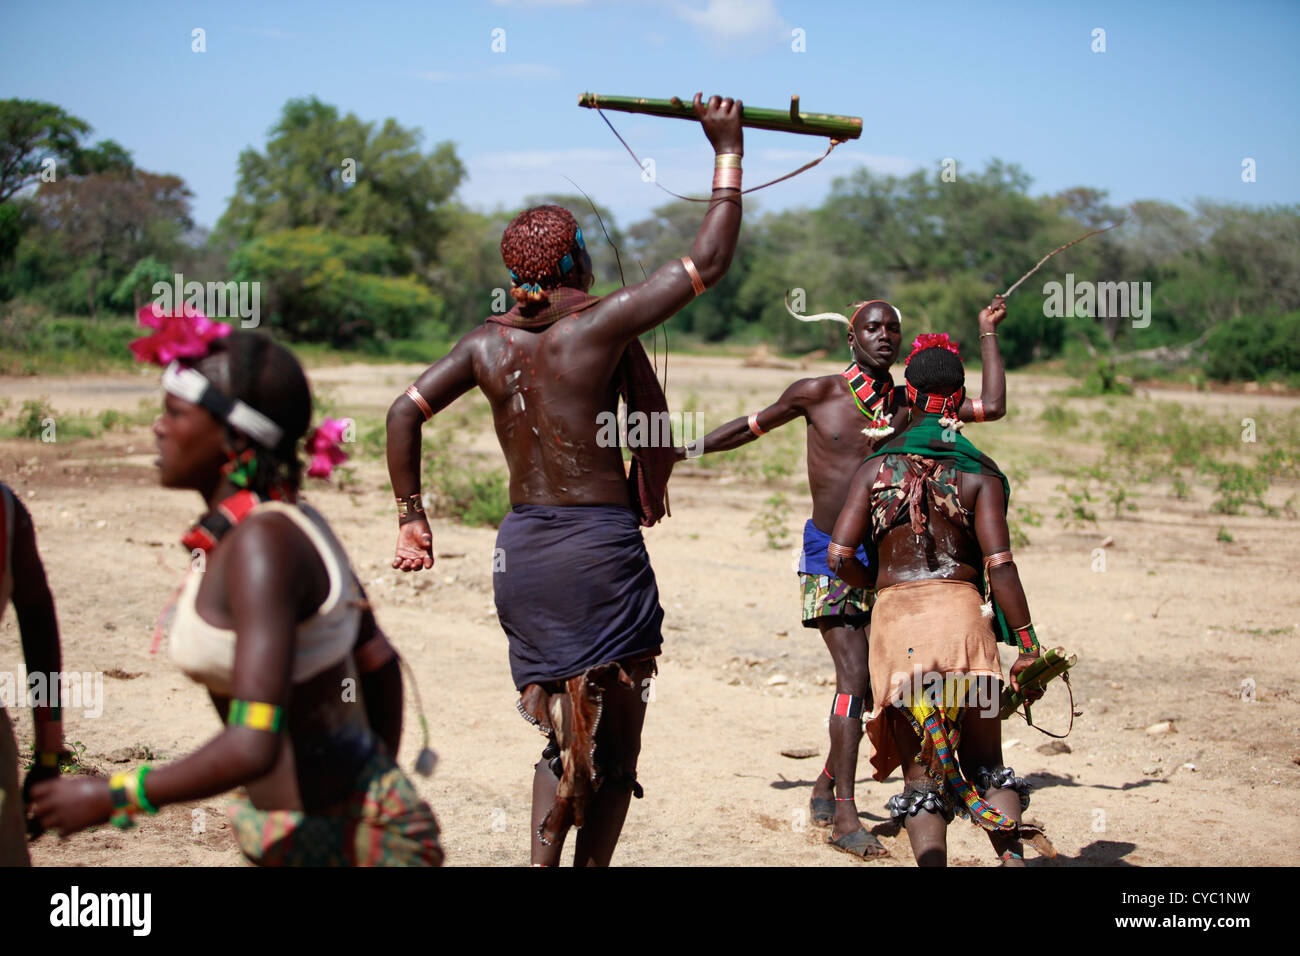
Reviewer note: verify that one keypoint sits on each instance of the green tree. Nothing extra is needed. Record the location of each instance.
(30, 132)
(346, 290)
(339, 173)
(667, 235)
(91, 230)
(469, 270)
(143, 275)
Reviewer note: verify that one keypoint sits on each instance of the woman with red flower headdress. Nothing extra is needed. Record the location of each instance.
(931, 510)
(272, 620)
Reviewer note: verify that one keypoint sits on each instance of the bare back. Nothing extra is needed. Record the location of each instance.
(548, 391)
(950, 549)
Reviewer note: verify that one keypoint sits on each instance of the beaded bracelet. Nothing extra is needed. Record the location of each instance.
(1027, 639)
(122, 810)
(254, 715)
(141, 800)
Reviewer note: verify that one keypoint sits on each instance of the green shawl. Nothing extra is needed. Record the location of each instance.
(928, 439)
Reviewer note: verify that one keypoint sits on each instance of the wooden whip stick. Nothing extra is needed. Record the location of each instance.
(1055, 251)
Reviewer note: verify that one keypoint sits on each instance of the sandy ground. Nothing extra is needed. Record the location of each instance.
(1167, 632)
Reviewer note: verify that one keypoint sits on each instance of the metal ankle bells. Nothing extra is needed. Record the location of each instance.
(1002, 778)
(911, 802)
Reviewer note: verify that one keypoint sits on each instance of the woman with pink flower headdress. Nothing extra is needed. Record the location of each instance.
(272, 621)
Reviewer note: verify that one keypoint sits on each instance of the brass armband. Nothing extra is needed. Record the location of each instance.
(414, 395)
(696, 282)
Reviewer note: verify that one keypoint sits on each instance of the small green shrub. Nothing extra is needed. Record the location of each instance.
(771, 522)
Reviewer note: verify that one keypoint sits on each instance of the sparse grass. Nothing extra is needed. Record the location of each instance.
(72, 760)
(772, 522)
(1059, 417)
(1236, 459)
(38, 420)
(471, 495)
(1077, 509)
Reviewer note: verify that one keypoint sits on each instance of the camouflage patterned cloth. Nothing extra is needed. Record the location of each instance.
(903, 486)
(826, 597)
(384, 823)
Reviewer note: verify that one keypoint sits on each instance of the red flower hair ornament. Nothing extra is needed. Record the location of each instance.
(932, 340)
(322, 443)
(186, 334)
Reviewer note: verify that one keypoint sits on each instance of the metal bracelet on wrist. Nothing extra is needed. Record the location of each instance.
(410, 508)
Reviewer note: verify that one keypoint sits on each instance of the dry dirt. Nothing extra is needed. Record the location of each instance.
(1167, 632)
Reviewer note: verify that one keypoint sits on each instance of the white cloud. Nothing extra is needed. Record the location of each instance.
(731, 20)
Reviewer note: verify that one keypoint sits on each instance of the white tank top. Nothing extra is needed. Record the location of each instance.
(207, 653)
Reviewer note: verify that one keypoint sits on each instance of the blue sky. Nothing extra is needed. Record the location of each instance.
(1182, 94)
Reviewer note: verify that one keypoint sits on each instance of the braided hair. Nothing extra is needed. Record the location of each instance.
(935, 370)
(533, 246)
(265, 375)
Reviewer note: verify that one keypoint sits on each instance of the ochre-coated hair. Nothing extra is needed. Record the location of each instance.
(532, 247)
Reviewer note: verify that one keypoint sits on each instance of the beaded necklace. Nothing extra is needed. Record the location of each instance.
(872, 397)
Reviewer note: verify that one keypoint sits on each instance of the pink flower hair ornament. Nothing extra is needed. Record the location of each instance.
(322, 444)
(187, 334)
(932, 340)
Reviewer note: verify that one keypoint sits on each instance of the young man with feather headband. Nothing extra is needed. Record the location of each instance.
(848, 416)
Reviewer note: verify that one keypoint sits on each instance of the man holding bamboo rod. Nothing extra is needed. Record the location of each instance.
(574, 589)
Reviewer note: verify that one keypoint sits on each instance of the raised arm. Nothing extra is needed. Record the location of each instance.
(792, 404)
(993, 377)
(440, 385)
(639, 308)
(995, 542)
(851, 529)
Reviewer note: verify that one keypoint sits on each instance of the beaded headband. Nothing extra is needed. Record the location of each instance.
(189, 384)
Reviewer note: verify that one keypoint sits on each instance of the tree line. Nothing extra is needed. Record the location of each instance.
(355, 233)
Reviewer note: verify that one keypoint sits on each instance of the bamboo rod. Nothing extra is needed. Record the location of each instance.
(784, 121)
